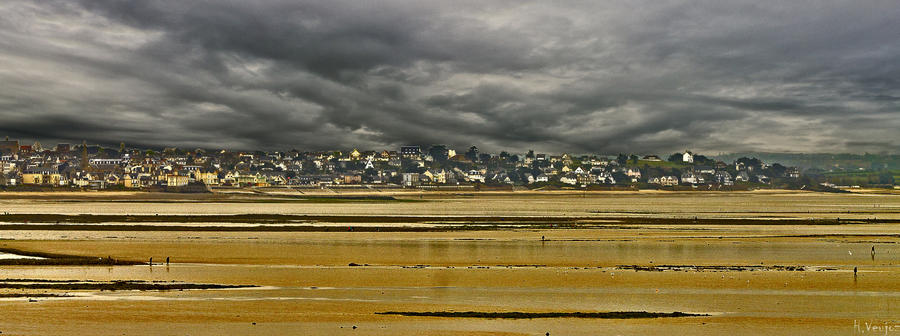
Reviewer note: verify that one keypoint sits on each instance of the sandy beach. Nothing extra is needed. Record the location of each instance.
(761, 278)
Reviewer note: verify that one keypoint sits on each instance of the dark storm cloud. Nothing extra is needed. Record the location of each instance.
(600, 77)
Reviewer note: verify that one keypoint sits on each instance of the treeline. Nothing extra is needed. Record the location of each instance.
(826, 161)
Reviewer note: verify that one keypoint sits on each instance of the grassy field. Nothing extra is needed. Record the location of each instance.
(863, 178)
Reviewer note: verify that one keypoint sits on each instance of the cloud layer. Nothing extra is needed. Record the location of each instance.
(599, 77)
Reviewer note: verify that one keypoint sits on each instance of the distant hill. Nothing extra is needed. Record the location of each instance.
(826, 161)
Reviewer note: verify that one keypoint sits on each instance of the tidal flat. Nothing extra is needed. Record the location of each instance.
(746, 263)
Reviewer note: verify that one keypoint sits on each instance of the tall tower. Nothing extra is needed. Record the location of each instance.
(84, 155)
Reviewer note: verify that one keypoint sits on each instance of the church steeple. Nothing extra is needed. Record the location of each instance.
(84, 155)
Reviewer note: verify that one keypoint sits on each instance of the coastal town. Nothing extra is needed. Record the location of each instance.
(94, 167)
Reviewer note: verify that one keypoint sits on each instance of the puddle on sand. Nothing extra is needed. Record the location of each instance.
(16, 256)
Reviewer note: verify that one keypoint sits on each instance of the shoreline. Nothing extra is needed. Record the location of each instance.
(266, 222)
(336, 192)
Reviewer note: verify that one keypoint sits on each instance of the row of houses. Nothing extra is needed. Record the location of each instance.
(84, 166)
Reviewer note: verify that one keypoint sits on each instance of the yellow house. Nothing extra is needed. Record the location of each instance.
(132, 181)
(41, 177)
(352, 179)
(245, 180)
(113, 179)
(210, 178)
(32, 178)
(261, 181)
(439, 177)
(177, 180)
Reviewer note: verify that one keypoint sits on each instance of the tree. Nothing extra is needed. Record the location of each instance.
(621, 178)
(472, 154)
(703, 160)
(752, 163)
(886, 177)
(309, 167)
(776, 170)
(677, 157)
(439, 153)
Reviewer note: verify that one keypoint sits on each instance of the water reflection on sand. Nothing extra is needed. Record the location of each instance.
(310, 287)
(16, 256)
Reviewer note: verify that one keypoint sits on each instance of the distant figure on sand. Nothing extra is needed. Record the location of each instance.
(151, 261)
(167, 260)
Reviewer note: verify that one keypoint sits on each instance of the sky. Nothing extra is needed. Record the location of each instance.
(558, 76)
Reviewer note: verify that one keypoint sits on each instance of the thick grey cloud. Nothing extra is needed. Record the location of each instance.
(601, 77)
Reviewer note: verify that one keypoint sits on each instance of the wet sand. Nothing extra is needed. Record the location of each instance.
(762, 204)
(309, 288)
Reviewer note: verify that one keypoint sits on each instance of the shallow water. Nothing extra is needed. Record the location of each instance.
(737, 204)
(325, 297)
(6, 256)
(310, 289)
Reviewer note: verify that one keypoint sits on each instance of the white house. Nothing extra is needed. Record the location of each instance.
(606, 178)
(475, 175)
(687, 157)
(689, 178)
(723, 177)
(410, 179)
(8, 179)
(633, 172)
(568, 180)
(104, 162)
(668, 180)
